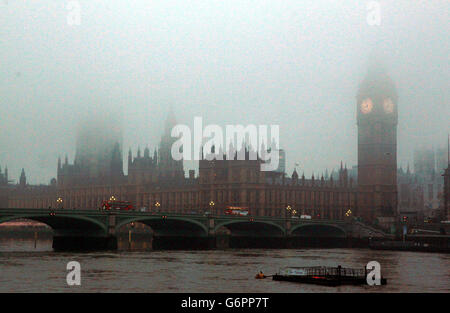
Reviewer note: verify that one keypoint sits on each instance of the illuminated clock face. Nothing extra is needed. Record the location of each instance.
(388, 105)
(366, 106)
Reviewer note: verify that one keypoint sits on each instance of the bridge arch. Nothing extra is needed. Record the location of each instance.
(318, 230)
(61, 221)
(169, 225)
(252, 227)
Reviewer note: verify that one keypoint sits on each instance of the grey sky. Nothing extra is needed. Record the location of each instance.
(293, 63)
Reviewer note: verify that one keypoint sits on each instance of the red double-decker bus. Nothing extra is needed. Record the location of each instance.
(116, 205)
(233, 210)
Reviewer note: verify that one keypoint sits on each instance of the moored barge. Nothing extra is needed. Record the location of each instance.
(321, 275)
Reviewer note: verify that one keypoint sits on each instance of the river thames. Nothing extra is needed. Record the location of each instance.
(25, 267)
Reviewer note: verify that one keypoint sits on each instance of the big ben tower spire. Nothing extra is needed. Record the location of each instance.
(447, 182)
(377, 118)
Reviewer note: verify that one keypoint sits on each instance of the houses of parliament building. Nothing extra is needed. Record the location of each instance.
(158, 182)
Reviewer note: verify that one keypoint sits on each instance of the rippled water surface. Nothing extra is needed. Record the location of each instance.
(26, 268)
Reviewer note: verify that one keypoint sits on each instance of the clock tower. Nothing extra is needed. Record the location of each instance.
(447, 183)
(377, 117)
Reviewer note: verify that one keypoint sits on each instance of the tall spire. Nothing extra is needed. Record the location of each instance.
(58, 171)
(130, 157)
(448, 150)
(116, 160)
(295, 174)
(23, 178)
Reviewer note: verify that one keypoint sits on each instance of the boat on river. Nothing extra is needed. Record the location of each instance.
(322, 275)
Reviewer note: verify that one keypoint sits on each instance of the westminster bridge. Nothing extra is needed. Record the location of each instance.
(98, 229)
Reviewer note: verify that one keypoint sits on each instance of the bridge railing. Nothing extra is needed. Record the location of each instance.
(161, 213)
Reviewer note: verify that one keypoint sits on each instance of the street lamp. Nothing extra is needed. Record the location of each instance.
(59, 201)
(129, 235)
(112, 198)
(157, 205)
(211, 205)
(348, 213)
(288, 209)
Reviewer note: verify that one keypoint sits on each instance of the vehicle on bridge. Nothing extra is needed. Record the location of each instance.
(232, 210)
(418, 231)
(117, 205)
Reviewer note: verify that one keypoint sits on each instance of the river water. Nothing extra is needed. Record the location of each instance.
(25, 267)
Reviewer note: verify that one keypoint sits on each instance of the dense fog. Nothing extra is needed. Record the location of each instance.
(296, 64)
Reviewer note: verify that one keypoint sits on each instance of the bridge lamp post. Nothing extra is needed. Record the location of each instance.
(129, 235)
(288, 209)
(157, 205)
(112, 198)
(59, 201)
(348, 213)
(294, 212)
(211, 205)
